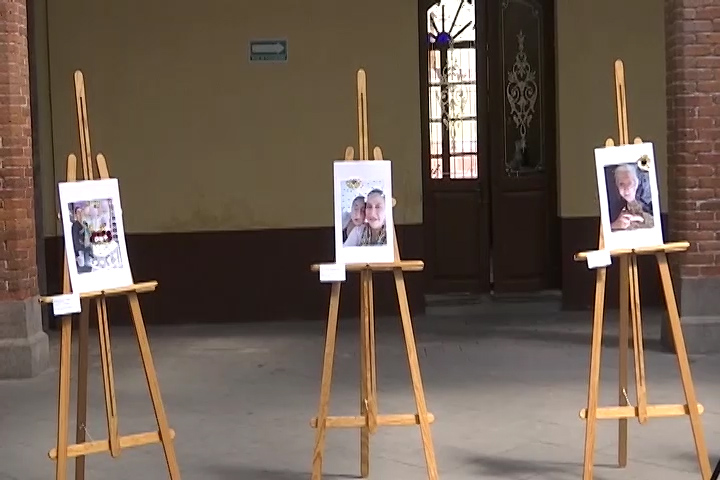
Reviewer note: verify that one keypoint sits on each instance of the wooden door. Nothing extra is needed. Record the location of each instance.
(521, 72)
(488, 109)
(455, 185)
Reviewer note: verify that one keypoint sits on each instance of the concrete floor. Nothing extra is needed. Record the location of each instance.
(505, 383)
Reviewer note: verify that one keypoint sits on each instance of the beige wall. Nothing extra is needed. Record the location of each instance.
(591, 34)
(238, 146)
(176, 107)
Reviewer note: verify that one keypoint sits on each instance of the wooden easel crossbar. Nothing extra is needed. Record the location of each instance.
(115, 443)
(369, 420)
(630, 316)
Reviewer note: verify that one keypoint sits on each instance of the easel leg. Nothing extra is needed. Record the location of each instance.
(684, 364)
(365, 372)
(326, 381)
(636, 321)
(81, 423)
(64, 398)
(623, 361)
(373, 402)
(594, 382)
(108, 377)
(415, 375)
(151, 376)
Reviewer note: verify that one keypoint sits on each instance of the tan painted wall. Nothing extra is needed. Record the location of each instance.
(202, 140)
(591, 34)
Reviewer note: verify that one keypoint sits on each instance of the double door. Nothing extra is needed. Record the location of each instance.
(489, 186)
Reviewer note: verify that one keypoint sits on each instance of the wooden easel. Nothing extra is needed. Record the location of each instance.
(115, 443)
(716, 472)
(369, 419)
(630, 315)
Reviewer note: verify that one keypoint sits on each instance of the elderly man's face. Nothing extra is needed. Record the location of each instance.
(626, 185)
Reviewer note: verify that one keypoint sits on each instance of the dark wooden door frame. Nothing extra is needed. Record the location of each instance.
(551, 112)
(495, 122)
(37, 161)
(483, 149)
(488, 145)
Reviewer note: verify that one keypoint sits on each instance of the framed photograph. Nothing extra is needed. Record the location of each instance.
(94, 235)
(364, 230)
(629, 198)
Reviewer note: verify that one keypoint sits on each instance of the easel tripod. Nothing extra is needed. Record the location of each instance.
(369, 419)
(630, 315)
(115, 443)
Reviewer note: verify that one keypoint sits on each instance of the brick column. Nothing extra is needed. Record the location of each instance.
(692, 41)
(23, 344)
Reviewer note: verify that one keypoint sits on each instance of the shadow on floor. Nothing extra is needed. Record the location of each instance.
(512, 468)
(689, 458)
(233, 472)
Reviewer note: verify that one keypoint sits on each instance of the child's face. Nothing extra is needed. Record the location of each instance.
(357, 215)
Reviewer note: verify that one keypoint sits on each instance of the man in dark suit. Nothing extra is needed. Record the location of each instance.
(78, 240)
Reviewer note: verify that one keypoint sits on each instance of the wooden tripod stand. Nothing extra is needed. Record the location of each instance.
(115, 443)
(369, 419)
(630, 315)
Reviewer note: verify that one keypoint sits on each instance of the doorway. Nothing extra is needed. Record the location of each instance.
(489, 171)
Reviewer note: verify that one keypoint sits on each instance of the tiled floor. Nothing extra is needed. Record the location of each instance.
(505, 384)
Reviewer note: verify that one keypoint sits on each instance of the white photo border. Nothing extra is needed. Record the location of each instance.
(86, 190)
(344, 170)
(630, 239)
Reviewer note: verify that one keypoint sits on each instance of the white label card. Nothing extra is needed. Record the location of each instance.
(332, 272)
(66, 304)
(598, 259)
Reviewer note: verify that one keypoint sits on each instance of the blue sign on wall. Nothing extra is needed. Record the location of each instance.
(268, 51)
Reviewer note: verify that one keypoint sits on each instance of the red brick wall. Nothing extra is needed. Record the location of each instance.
(18, 267)
(692, 33)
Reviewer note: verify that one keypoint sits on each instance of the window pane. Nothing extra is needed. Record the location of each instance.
(436, 167)
(463, 137)
(465, 166)
(436, 138)
(451, 20)
(523, 64)
(452, 92)
(463, 101)
(462, 65)
(435, 104)
(434, 67)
